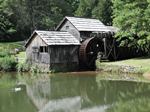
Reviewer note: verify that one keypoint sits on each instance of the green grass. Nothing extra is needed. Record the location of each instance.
(11, 46)
(8, 55)
(21, 56)
(142, 63)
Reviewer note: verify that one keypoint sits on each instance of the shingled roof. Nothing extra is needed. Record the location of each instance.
(55, 38)
(84, 24)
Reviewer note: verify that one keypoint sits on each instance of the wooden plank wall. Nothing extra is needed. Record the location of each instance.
(71, 29)
(64, 54)
(37, 56)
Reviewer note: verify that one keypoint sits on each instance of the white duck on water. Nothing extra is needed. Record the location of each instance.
(16, 89)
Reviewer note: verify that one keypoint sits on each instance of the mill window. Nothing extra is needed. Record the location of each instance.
(67, 27)
(43, 49)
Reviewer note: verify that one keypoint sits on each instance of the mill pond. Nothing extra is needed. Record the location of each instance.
(73, 92)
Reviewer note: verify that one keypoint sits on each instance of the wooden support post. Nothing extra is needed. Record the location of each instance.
(105, 45)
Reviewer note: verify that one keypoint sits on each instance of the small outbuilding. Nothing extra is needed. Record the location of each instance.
(55, 50)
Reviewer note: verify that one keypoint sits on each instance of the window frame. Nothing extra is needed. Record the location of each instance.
(43, 49)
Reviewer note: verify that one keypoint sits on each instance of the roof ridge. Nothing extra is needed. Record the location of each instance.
(48, 31)
(55, 38)
(84, 24)
(81, 17)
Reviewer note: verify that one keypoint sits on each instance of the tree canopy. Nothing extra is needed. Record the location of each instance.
(99, 9)
(132, 17)
(19, 18)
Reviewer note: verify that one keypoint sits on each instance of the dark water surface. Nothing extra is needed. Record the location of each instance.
(73, 92)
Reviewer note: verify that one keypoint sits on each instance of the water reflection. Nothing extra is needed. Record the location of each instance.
(11, 101)
(79, 93)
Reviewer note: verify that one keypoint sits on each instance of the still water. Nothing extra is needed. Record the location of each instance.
(73, 92)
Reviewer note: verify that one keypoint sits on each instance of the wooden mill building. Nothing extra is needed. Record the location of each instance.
(81, 28)
(71, 45)
(53, 50)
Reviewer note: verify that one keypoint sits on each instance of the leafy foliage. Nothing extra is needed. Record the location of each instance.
(8, 63)
(18, 18)
(6, 27)
(85, 8)
(103, 11)
(100, 9)
(23, 67)
(4, 53)
(132, 18)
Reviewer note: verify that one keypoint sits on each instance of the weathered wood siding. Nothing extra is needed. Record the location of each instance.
(64, 57)
(37, 57)
(82, 35)
(64, 54)
(67, 26)
(58, 57)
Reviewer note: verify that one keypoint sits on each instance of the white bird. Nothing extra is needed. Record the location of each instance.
(17, 89)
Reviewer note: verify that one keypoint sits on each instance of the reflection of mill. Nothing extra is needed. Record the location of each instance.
(48, 94)
(68, 94)
(78, 94)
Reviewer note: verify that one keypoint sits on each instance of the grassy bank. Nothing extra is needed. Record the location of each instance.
(136, 65)
(8, 55)
(10, 60)
(11, 46)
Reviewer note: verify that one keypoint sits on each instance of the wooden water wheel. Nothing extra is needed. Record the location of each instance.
(88, 52)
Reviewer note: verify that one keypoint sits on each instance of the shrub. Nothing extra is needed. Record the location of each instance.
(35, 69)
(8, 63)
(26, 67)
(4, 53)
(23, 67)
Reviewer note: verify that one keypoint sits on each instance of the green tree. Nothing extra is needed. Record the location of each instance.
(100, 9)
(19, 18)
(85, 8)
(46, 14)
(6, 26)
(103, 11)
(131, 17)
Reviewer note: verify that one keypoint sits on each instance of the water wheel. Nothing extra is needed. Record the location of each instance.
(88, 52)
